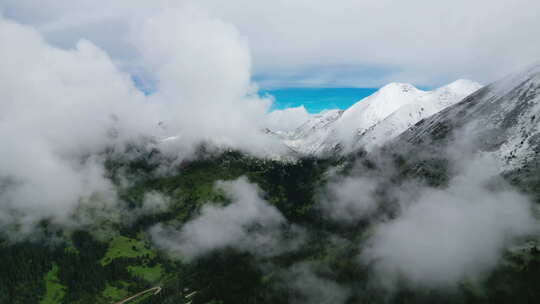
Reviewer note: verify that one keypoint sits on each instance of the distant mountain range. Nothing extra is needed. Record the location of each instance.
(373, 120)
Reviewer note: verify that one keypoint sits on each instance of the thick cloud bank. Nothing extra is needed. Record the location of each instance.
(345, 43)
(58, 109)
(349, 199)
(311, 288)
(447, 235)
(287, 119)
(248, 223)
(202, 68)
(61, 109)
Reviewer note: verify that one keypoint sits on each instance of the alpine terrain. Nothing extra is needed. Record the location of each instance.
(374, 120)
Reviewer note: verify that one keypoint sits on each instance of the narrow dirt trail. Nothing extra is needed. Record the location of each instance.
(157, 290)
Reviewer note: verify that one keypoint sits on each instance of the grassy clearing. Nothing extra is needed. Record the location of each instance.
(54, 290)
(150, 274)
(113, 293)
(122, 246)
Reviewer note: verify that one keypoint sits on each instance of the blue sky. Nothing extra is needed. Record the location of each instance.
(317, 99)
(314, 100)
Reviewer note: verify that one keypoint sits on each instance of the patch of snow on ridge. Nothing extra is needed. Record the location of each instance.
(312, 137)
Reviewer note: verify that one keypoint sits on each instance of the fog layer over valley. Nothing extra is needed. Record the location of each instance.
(61, 110)
(199, 188)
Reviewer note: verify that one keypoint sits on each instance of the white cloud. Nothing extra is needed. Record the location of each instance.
(287, 119)
(202, 68)
(313, 289)
(422, 42)
(58, 108)
(248, 223)
(448, 235)
(154, 202)
(61, 108)
(349, 199)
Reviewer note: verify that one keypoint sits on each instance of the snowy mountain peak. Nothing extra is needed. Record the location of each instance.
(373, 109)
(375, 119)
(461, 85)
(397, 87)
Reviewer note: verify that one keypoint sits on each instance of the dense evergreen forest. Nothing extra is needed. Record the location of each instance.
(108, 261)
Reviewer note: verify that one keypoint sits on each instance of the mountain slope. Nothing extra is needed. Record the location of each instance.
(125, 258)
(501, 119)
(425, 105)
(315, 135)
(374, 119)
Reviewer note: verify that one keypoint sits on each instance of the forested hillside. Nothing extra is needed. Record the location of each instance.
(109, 260)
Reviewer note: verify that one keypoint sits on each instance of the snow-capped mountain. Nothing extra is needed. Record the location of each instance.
(502, 119)
(424, 105)
(375, 119)
(313, 136)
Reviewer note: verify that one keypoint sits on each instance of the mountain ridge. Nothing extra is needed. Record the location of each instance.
(504, 117)
(350, 129)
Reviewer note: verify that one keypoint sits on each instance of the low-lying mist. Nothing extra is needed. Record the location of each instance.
(65, 113)
(62, 109)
